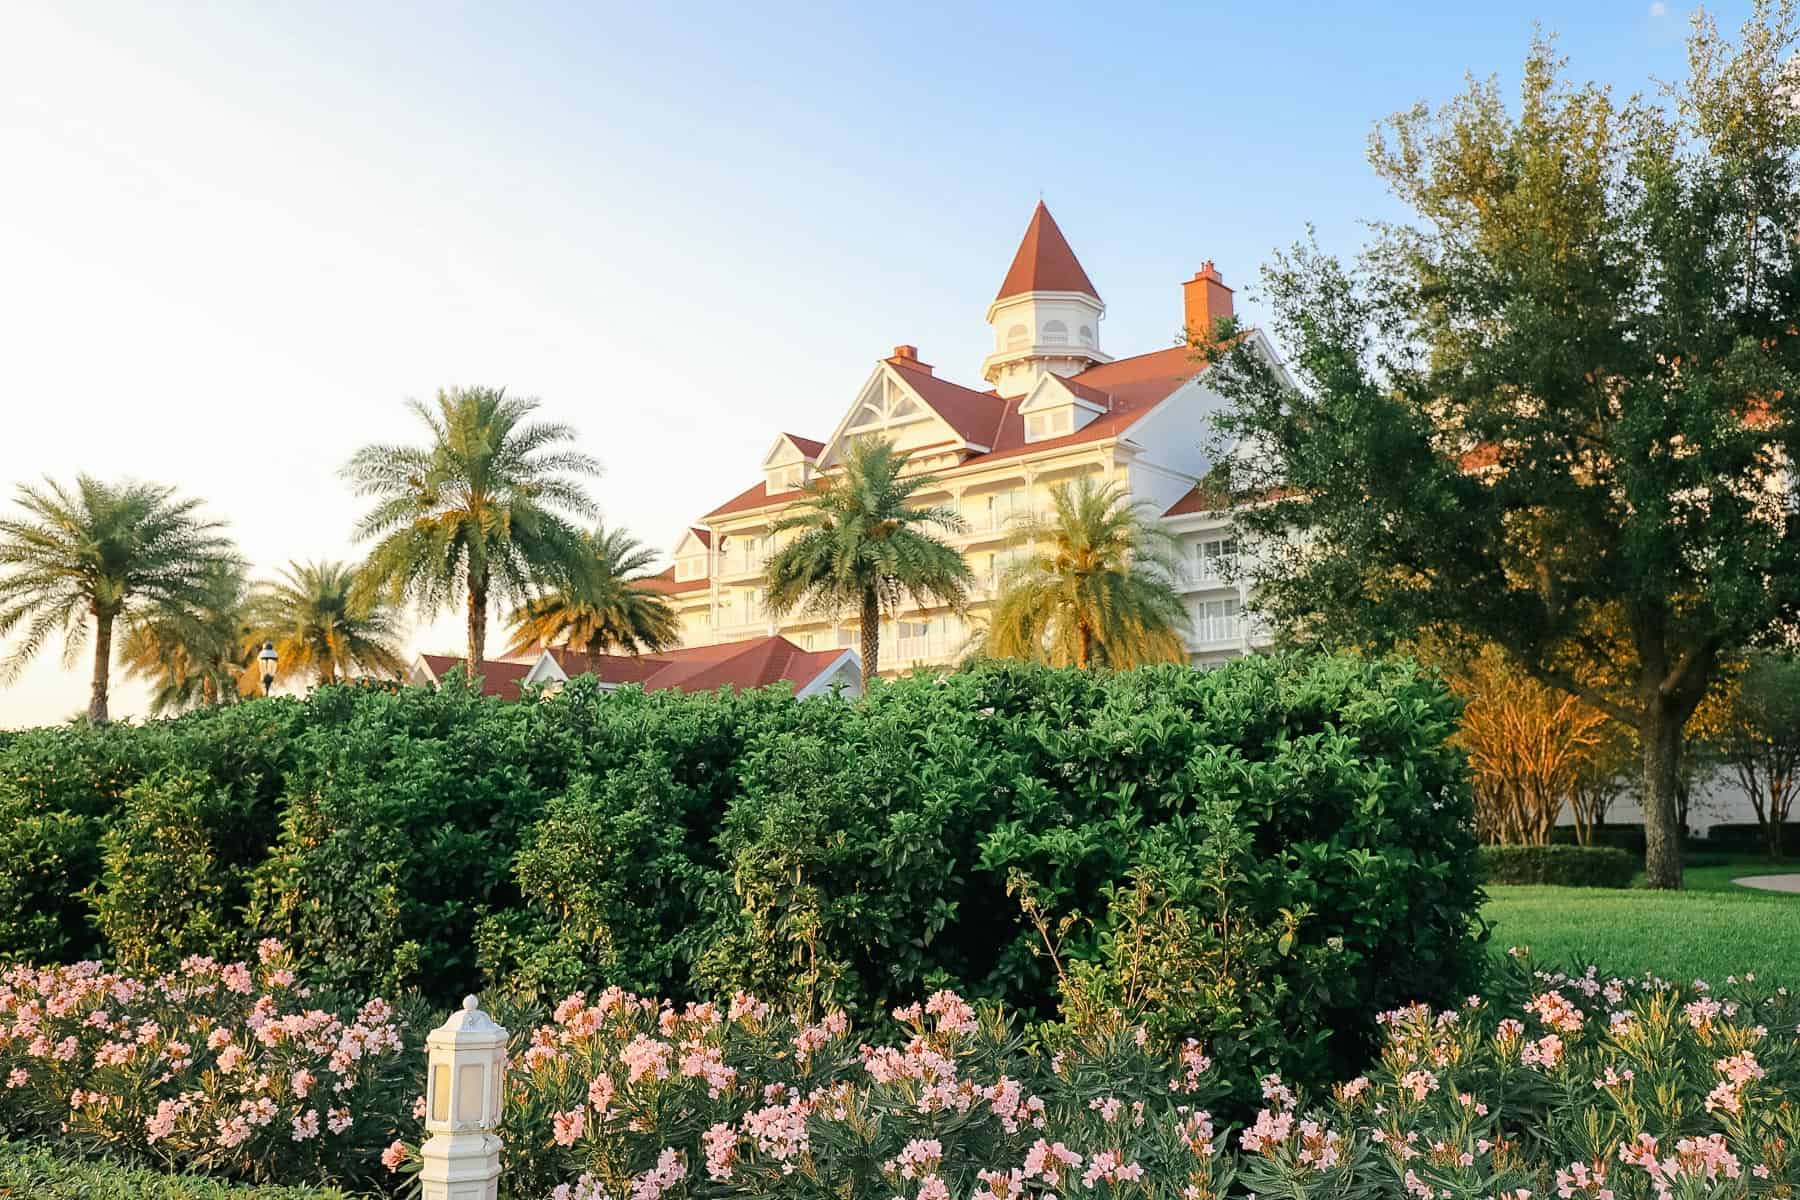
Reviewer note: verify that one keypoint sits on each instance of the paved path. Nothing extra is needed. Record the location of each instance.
(1770, 883)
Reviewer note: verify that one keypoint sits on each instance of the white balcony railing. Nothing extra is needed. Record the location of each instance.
(1214, 631)
(923, 648)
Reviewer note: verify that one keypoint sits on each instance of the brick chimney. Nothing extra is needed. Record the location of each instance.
(908, 356)
(1207, 299)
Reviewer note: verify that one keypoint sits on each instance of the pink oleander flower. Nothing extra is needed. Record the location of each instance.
(668, 1172)
(953, 1013)
(1555, 1010)
(645, 1057)
(306, 1125)
(1270, 1130)
(568, 1126)
(338, 1119)
(1546, 1052)
(918, 1158)
(17, 1078)
(1047, 1161)
(720, 1143)
(394, 1156)
(745, 1007)
(1110, 1166)
(933, 1188)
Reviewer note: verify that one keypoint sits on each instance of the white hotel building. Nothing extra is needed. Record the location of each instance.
(1056, 406)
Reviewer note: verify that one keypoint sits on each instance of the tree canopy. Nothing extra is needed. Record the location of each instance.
(1559, 398)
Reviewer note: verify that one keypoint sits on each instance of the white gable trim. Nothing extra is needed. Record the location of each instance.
(881, 376)
(421, 674)
(784, 453)
(546, 670)
(821, 683)
(1050, 392)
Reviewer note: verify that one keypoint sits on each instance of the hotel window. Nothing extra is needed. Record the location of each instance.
(846, 636)
(1055, 333)
(1216, 557)
(1017, 336)
(1034, 427)
(1087, 336)
(1218, 620)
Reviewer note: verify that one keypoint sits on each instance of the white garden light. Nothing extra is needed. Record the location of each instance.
(465, 1074)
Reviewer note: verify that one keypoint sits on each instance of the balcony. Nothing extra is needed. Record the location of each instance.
(1218, 631)
(737, 566)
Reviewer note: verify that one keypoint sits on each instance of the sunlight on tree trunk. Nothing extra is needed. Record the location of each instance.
(871, 636)
(103, 631)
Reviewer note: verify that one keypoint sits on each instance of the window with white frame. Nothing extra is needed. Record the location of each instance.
(1217, 620)
(846, 636)
(1056, 333)
(1216, 558)
(1018, 335)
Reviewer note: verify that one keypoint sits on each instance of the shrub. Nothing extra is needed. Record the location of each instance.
(227, 1067)
(58, 788)
(1553, 1083)
(38, 1173)
(1563, 866)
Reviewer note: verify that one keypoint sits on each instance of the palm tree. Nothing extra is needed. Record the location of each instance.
(1096, 586)
(476, 512)
(321, 626)
(605, 606)
(862, 547)
(192, 655)
(101, 550)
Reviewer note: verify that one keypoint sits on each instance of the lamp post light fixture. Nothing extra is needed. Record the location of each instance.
(267, 659)
(465, 1074)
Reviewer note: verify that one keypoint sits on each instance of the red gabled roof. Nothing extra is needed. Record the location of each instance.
(748, 664)
(1125, 389)
(806, 446)
(1044, 262)
(497, 678)
(664, 581)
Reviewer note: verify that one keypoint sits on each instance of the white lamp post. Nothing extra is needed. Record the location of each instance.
(465, 1074)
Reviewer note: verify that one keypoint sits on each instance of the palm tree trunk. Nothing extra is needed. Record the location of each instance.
(103, 630)
(1085, 647)
(871, 636)
(477, 624)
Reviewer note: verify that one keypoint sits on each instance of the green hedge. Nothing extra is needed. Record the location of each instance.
(34, 1173)
(1282, 844)
(1564, 866)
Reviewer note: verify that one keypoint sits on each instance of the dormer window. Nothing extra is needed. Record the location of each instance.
(1056, 333)
(1017, 336)
(1054, 423)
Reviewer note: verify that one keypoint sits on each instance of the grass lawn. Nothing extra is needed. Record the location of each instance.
(1713, 929)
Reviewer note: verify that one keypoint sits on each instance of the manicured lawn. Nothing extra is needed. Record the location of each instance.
(1713, 929)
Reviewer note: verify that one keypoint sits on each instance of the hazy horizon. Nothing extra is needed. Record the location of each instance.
(234, 242)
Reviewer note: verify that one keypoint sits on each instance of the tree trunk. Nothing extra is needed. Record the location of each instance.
(1661, 738)
(103, 627)
(871, 636)
(477, 625)
(1084, 645)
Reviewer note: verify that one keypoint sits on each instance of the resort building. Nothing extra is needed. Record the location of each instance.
(754, 662)
(1053, 404)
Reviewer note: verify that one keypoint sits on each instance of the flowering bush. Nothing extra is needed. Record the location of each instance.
(219, 1067)
(1580, 1086)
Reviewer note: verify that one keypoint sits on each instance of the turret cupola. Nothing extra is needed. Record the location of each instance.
(1046, 318)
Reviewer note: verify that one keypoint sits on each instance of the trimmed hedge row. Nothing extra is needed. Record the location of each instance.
(1282, 844)
(1563, 866)
(35, 1173)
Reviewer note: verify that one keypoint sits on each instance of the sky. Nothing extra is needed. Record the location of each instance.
(235, 238)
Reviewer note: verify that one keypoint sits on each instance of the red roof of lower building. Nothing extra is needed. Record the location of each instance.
(497, 678)
(757, 662)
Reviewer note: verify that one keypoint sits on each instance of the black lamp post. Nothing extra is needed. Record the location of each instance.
(267, 659)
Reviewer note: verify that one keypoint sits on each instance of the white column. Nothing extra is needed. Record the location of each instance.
(464, 1088)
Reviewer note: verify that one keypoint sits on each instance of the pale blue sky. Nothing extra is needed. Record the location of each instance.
(685, 228)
